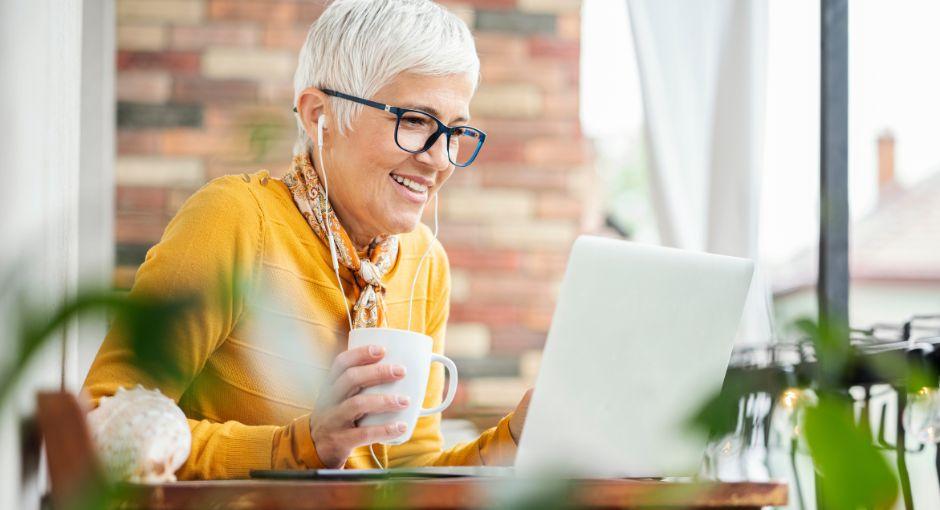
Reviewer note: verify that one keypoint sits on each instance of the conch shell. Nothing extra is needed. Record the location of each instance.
(141, 436)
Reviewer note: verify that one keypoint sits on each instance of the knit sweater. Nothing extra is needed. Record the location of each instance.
(249, 364)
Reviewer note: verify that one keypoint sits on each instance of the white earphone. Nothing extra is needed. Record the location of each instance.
(321, 122)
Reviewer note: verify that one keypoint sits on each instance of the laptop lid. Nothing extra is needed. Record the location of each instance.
(640, 337)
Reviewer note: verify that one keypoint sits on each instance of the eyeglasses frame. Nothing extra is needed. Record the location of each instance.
(442, 129)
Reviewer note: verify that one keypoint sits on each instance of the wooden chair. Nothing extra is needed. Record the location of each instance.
(73, 467)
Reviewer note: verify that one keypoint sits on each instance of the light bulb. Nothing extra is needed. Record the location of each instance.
(790, 398)
(922, 415)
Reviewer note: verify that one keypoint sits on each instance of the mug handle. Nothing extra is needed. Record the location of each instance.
(451, 386)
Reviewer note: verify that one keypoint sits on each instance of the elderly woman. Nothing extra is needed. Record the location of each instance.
(385, 87)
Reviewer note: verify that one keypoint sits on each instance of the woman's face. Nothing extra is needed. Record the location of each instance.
(362, 166)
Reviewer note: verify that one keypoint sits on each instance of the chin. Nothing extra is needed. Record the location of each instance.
(404, 221)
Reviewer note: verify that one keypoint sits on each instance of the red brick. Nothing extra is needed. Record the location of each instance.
(191, 89)
(515, 339)
(219, 34)
(194, 142)
(543, 72)
(136, 228)
(501, 151)
(523, 129)
(139, 142)
(524, 176)
(570, 151)
(557, 49)
(456, 234)
(180, 62)
(491, 314)
(280, 35)
(546, 264)
(492, 4)
(462, 178)
(277, 93)
(218, 116)
(539, 318)
(505, 47)
(478, 259)
(145, 199)
(569, 25)
(561, 105)
(253, 10)
(559, 206)
(503, 287)
(309, 11)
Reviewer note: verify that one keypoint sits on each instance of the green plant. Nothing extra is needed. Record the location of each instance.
(851, 470)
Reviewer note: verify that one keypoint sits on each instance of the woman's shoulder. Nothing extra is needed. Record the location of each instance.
(239, 198)
(228, 196)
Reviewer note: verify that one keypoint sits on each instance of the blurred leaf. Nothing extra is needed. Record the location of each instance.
(147, 324)
(853, 472)
(37, 327)
(719, 415)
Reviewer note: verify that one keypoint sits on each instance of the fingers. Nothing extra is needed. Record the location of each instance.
(354, 379)
(360, 436)
(358, 406)
(355, 357)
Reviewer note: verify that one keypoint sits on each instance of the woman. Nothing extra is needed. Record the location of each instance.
(379, 82)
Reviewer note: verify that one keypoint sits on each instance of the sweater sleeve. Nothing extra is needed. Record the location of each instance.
(210, 251)
(494, 446)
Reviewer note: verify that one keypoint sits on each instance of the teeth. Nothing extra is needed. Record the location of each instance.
(408, 183)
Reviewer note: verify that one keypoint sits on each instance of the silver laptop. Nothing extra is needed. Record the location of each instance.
(641, 336)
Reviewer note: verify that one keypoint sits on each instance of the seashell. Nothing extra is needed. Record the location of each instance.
(141, 436)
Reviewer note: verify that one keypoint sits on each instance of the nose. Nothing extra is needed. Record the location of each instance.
(436, 156)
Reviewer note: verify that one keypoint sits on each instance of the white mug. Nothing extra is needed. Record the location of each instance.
(413, 351)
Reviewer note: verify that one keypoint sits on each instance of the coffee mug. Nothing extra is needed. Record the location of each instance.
(413, 351)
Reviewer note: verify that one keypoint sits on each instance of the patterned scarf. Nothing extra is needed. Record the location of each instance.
(304, 185)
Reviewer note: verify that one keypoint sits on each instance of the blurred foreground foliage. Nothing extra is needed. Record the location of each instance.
(851, 470)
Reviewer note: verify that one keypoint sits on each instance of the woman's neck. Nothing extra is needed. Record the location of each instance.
(361, 238)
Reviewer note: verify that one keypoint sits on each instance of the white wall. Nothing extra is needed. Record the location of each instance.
(56, 74)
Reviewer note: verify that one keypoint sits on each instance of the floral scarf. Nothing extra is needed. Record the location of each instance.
(308, 195)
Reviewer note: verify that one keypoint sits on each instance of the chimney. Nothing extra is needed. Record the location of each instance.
(886, 181)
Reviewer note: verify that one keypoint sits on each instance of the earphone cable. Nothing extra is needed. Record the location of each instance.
(329, 232)
(421, 262)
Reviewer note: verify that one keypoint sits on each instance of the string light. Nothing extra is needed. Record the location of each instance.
(789, 398)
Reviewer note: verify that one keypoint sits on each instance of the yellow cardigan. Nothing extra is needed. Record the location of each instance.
(252, 363)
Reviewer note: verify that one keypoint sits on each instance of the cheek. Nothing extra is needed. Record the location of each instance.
(444, 177)
(380, 155)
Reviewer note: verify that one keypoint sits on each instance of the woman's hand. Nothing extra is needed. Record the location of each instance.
(340, 405)
(517, 421)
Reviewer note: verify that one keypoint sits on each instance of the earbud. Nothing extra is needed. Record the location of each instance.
(321, 122)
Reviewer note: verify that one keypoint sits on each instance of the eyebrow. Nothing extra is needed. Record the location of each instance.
(433, 111)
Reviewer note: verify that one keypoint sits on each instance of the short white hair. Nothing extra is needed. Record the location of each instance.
(359, 46)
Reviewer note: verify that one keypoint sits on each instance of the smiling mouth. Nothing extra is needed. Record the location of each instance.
(410, 185)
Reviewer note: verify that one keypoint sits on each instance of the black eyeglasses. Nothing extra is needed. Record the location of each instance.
(417, 131)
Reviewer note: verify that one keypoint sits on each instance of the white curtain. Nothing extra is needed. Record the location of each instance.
(56, 197)
(702, 72)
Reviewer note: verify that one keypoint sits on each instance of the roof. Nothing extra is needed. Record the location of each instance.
(897, 242)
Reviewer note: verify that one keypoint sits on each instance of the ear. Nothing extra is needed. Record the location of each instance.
(311, 103)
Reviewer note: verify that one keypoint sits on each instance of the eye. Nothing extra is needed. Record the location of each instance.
(471, 133)
(416, 120)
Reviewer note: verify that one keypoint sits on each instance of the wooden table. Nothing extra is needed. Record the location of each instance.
(73, 470)
(452, 493)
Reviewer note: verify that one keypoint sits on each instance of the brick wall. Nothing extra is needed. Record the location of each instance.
(204, 89)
